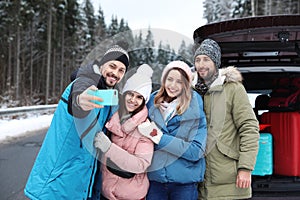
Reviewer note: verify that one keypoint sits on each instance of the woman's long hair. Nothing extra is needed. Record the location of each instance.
(183, 99)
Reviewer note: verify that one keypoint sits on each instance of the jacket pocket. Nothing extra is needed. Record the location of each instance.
(223, 164)
(67, 169)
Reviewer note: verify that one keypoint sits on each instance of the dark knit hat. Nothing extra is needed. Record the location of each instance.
(210, 48)
(116, 53)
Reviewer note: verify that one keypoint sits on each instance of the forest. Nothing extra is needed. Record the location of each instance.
(44, 41)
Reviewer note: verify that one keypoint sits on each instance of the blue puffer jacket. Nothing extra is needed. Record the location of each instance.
(179, 156)
(65, 167)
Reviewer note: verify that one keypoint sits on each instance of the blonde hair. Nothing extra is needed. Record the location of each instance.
(183, 99)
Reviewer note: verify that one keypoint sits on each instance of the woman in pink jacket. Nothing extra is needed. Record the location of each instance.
(128, 154)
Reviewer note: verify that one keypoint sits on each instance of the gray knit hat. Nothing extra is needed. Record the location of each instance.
(116, 53)
(210, 48)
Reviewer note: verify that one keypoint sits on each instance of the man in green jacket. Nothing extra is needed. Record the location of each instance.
(233, 130)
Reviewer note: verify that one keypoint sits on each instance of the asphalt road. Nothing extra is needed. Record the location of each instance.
(17, 157)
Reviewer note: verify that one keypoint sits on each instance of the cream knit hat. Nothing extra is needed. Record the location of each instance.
(178, 64)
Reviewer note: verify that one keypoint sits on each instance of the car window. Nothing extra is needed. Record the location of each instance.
(252, 98)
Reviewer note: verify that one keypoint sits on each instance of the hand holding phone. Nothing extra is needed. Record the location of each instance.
(109, 96)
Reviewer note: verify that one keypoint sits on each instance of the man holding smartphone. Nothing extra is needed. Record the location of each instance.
(66, 166)
(101, 75)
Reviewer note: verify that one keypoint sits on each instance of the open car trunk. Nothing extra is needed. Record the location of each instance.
(266, 51)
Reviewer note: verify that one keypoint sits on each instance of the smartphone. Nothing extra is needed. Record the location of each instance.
(110, 97)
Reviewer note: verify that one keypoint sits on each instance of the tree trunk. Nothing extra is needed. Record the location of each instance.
(54, 55)
(9, 64)
(23, 67)
(253, 8)
(31, 61)
(62, 63)
(49, 30)
(18, 63)
(53, 72)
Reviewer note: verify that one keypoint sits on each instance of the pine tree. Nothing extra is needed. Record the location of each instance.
(241, 8)
(135, 56)
(91, 21)
(218, 10)
(184, 53)
(113, 27)
(149, 44)
(163, 54)
(101, 30)
(83, 32)
(7, 39)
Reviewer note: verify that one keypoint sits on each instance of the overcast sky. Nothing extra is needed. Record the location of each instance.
(179, 17)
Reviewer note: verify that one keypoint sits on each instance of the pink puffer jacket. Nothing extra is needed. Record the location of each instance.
(131, 152)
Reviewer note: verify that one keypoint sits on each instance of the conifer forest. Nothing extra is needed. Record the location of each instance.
(44, 41)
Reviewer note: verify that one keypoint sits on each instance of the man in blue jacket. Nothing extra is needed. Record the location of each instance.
(66, 166)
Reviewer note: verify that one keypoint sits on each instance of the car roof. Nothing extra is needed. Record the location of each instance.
(263, 48)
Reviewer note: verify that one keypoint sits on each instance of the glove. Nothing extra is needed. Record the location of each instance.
(151, 131)
(102, 142)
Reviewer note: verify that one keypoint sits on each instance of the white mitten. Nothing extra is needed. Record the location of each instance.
(150, 130)
(102, 142)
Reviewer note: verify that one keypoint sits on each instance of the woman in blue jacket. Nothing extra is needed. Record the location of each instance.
(178, 127)
(66, 166)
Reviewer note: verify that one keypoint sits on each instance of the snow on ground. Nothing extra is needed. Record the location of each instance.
(20, 127)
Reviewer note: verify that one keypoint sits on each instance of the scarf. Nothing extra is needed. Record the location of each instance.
(168, 110)
(202, 87)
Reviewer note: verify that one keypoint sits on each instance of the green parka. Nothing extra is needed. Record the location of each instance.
(233, 135)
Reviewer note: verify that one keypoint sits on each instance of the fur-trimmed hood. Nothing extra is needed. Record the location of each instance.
(228, 74)
(232, 74)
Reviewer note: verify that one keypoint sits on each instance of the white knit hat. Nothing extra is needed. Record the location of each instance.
(140, 82)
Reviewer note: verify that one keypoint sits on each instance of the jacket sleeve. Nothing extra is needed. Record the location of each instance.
(193, 146)
(86, 77)
(247, 127)
(135, 163)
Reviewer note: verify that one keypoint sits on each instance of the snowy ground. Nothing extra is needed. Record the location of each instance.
(19, 127)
